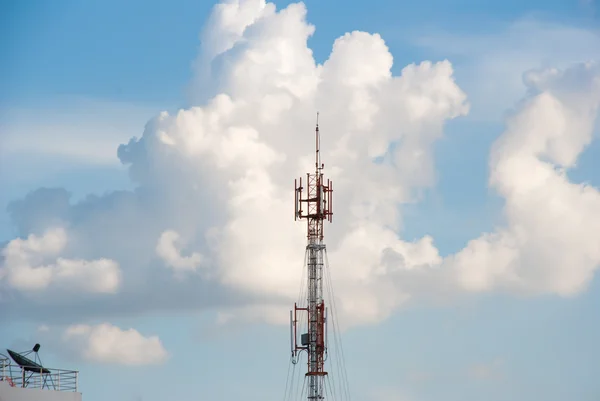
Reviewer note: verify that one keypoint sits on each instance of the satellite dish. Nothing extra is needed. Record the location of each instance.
(34, 367)
(26, 363)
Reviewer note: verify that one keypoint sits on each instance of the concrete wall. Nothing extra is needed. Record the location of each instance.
(8, 393)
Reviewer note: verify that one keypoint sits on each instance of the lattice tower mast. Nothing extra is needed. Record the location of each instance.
(313, 204)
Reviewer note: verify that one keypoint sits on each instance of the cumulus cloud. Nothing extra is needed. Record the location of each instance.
(256, 136)
(25, 266)
(550, 242)
(169, 251)
(214, 181)
(105, 343)
(218, 174)
(490, 65)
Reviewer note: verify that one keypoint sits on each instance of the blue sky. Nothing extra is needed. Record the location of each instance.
(82, 79)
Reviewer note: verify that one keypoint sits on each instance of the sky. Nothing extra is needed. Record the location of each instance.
(147, 151)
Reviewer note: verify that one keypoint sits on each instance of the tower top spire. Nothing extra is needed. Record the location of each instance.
(318, 165)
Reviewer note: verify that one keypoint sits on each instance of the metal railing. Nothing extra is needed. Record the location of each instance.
(40, 378)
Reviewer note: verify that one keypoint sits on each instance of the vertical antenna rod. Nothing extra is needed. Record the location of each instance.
(316, 197)
(317, 146)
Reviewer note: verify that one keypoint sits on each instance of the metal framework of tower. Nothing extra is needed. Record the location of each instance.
(313, 204)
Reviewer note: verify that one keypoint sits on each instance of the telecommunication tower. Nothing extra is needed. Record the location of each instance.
(313, 204)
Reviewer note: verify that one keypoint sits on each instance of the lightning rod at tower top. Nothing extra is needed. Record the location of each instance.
(310, 318)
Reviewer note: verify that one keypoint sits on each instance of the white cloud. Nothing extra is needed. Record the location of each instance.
(550, 242)
(25, 266)
(217, 178)
(257, 146)
(105, 343)
(219, 174)
(490, 65)
(169, 251)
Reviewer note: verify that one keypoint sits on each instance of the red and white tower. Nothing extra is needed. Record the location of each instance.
(313, 203)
